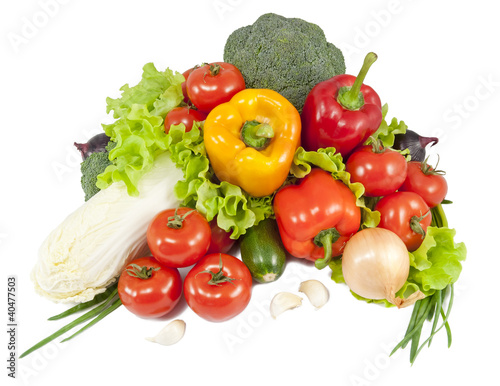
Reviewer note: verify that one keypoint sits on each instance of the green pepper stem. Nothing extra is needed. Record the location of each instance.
(325, 239)
(256, 134)
(351, 98)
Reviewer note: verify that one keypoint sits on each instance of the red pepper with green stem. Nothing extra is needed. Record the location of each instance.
(341, 112)
(316, 217)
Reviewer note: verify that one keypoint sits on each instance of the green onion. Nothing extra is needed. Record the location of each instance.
(82, 306)
(102, 309)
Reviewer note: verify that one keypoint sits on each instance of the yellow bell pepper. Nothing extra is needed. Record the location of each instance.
(251, 140)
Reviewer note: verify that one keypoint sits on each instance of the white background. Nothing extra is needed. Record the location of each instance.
(439, 71)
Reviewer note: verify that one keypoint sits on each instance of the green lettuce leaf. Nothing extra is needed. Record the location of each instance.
(437, 263)
(386, 131)
(138, 130)
(158, 91)
(327, 159)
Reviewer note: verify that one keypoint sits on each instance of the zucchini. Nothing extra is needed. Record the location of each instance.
(262, 251)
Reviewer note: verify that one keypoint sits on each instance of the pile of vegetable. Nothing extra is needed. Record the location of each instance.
(276, 148)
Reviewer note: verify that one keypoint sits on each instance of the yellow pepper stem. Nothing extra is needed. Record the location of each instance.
(257, 135)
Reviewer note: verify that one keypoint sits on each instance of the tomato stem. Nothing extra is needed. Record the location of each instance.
(377, 145)
(139, 272)
(325, 239)
(416, 226)
(176, 221)
(215, 69)
(218, 277)
(428, 170)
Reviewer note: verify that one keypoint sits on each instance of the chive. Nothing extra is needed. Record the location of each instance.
(432, 312)
(439, 305)
(117, 303)
(438, 217)
(82, 306)
(445, 324)
(416, 337)
(425, 306)
(413, 319)
(89, 315)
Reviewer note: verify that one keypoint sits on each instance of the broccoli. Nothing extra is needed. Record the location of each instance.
(91, 167)
(289, 56)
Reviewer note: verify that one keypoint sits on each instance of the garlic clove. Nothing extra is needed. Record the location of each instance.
(284, 301)
(315, 291)
(170, 334)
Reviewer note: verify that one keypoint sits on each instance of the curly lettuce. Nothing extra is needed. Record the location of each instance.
(386, 131)
(138, 130)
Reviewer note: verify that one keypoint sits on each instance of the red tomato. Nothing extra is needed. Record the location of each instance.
(213, 84)
(381, 172)
(183, 85)
(407, 215)
(426, 182)
(153, 295)
(178, 237)
(183, 115)
(221, 242)
(218, 301)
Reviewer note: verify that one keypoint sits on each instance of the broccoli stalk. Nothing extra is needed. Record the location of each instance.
(289, 56)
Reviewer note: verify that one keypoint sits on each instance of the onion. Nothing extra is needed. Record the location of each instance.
(96, 144)
(376, 264)
(415, 143)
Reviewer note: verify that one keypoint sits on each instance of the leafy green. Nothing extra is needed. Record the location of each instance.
(138, 130)
(437, 263)
(385, 133)
(236, 211)
(327, 159)
(158, 91)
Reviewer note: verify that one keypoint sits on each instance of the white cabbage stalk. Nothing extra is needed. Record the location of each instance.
(89, 249)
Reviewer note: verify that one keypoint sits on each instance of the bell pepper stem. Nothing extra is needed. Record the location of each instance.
(256, 134)
(325, 239)
(352, 98)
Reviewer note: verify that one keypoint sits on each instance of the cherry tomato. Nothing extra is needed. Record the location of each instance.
(184, 115)
(221, 242)
(213, 84)
(149, 289)
(178, 237)
(407, 215)
(425, 181)
(381, 172)
(218, 287)
(183, 85)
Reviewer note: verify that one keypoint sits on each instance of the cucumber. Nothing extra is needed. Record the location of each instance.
(262, 251)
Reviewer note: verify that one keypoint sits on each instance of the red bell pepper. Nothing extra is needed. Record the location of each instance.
(341, 112)
(316, 217)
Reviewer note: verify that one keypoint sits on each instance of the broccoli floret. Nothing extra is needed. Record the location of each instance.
(91, 167)
(288, 55)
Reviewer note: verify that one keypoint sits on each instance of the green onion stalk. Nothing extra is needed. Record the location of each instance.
(104, 303)
(431, 308)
